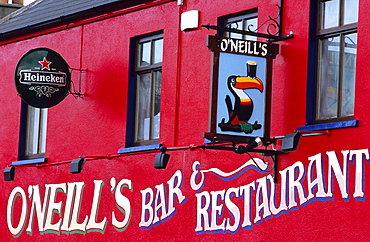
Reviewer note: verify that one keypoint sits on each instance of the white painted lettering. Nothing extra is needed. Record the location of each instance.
(174, 185)
(123, 204)
(315, 167)
(224, 45)
(283, 193)
(340, 174)
(216, 210)
(203, 202)
(34, 195)
(262, 203)
(234, 210)
(146, 207)
(359, 180)
(92, 225)
(159, 203)
(16, 192)
(246, 191)
(53, 207)
(74, 225)
(295, 184)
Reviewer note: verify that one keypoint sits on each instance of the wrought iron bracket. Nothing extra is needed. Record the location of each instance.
(274, 23)
(77, 93)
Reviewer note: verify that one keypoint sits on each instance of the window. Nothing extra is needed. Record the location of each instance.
(336, 60)
(146, 79)
(33, 139)
(246, 20)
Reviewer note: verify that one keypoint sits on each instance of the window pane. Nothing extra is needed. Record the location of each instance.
(350, 11)
(158, 49)
(329, 78)
(143, 107)
(330, 14)
(246, 21)
(144, 56)
(236, 25)
(252, 25)
(157, 97)
(36, 131)
(349, 73)
(33, 119)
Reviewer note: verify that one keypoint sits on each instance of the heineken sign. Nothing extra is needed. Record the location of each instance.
(42, 78)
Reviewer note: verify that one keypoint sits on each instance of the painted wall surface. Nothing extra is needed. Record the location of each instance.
(322, 190)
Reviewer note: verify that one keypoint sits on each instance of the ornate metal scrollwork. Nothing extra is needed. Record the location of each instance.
(270, 23)
(273, 28)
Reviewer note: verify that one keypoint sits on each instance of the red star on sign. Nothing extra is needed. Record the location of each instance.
(45, 64)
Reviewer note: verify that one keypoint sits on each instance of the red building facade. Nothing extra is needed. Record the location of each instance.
(145, 76)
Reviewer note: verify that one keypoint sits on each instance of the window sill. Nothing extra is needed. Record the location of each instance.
(30, 161)
(335, 125)
(139, 148)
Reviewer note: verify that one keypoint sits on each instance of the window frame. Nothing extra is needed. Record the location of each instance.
(135, 71)
(39, 140)
(321, 34)
(312, 75)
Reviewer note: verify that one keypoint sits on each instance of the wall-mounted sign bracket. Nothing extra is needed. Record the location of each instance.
(271, 23)
(78, 92)
(250, 148)
(269, 38)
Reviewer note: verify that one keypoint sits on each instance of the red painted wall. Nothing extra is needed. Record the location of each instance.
(95, 125)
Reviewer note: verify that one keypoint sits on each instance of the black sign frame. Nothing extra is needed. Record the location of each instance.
(219, 45)
(42, 78)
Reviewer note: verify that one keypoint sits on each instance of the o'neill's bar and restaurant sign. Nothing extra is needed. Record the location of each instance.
(239, 205)
(42, 78)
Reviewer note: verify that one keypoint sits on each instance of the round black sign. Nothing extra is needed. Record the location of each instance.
(42, 78)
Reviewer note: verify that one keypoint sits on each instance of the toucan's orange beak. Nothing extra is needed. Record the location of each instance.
(245, 82)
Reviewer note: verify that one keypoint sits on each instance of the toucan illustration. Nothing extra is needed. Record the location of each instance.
(240, 114)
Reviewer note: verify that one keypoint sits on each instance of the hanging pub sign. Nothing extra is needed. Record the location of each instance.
(42, 78)
(241, 89)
